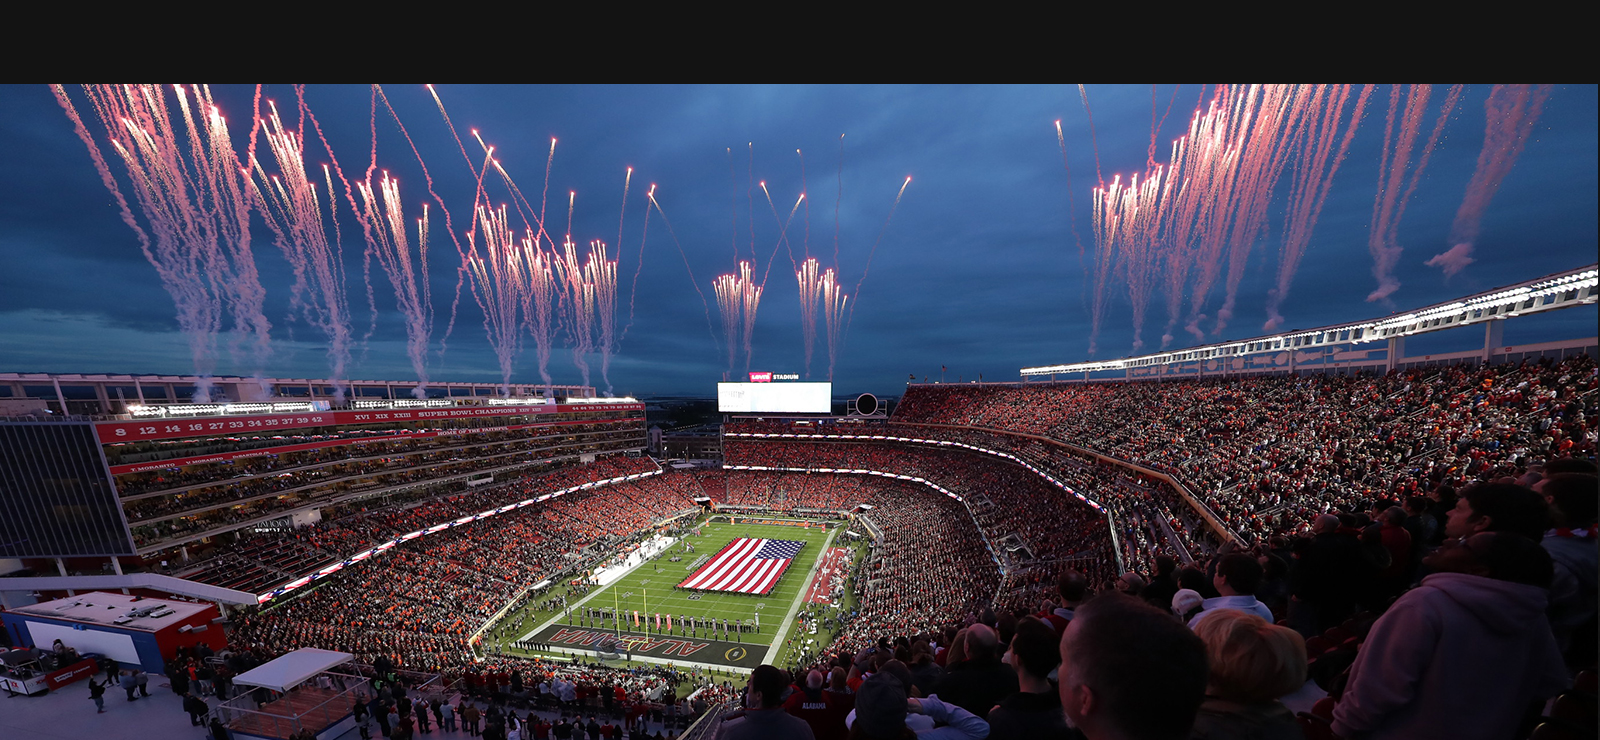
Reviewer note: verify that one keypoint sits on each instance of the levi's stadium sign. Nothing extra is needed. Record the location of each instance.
(765, 377)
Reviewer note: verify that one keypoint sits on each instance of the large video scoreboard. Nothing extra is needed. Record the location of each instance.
(769, 393)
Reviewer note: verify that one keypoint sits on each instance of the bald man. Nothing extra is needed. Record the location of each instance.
(979, 682)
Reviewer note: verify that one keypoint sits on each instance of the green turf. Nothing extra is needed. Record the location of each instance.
(824, 635)
(651, 587)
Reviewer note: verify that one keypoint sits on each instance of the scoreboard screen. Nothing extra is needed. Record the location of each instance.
(775, 398)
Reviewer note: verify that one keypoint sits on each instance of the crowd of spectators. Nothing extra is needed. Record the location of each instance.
(418, 603)
(1355, 631)
(1269, 454)
(1006, 500)
(1407, 543)
(163, 516)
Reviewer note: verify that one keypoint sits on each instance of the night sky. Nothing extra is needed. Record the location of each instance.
(978, 270)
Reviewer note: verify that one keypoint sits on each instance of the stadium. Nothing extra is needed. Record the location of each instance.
(1264, 529)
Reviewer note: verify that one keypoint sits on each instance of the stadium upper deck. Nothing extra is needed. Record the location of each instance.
(163, 476)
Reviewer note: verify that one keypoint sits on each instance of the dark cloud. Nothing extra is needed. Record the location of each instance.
(979, 269)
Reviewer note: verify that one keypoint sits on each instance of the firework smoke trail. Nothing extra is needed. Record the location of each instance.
(1093, 139)
(384, 231)
(783, 233)
(809, 277)
(572, 201)
(1313, 179)
(1210, 162)
(1154, 126)
(870, 254)
(750, 197)
(838, 201)
(544, 196)
(177, 268)
(1104, 218)
(729, 295)
(220, 180)
(805, 244)
(1072, 211)
(496, 272)
(668, 222)
(622, 213)
(1388, 206)
(733, 207)
(600, 273)
(1233, 166)
(750, 299)
(578, 299)
(539, 303)
(1262, 157)
(1511, 112)
(385, 227)
(608, 339)
(1266, 153)
(638, 267)
(449, 227)
(194, 205)
(1134, 227)
(293, 211)
(834, 305)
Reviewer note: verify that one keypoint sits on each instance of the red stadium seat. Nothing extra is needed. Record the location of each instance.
(1545, 731)
(1323, 709)
(1315, 728)
(1586, 682)
(1575, 711)
(1317, 646)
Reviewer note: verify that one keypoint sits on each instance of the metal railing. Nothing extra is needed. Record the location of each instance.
(333, 703)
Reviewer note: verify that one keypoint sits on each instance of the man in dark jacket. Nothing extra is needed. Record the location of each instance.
(197, 709)
(1034, 713)
(981, 681)
(1163, 583)
(1327, 575)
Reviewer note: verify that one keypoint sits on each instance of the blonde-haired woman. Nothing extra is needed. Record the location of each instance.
(1252, 664)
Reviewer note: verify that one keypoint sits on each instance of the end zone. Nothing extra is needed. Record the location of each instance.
(675, 649)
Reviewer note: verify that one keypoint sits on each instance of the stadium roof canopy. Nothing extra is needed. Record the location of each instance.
(292, 669)
(1561, 290)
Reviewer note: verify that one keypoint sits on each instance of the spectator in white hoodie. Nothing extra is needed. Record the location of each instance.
(1465, 654)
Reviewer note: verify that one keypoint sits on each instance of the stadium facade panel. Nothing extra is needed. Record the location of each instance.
(161, 477)
(56, 497)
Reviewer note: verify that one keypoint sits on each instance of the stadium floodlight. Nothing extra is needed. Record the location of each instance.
(403, 403)
(1562, 290)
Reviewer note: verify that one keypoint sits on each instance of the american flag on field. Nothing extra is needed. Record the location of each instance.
(747, 566)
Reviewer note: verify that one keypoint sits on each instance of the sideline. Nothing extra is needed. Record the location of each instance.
(612, 574)
(794, 606)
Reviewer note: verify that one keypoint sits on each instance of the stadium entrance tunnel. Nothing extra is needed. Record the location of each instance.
(603, 643)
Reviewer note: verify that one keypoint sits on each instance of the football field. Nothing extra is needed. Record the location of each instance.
(651, 589)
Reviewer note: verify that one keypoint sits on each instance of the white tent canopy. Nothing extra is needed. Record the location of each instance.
(292, 669)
